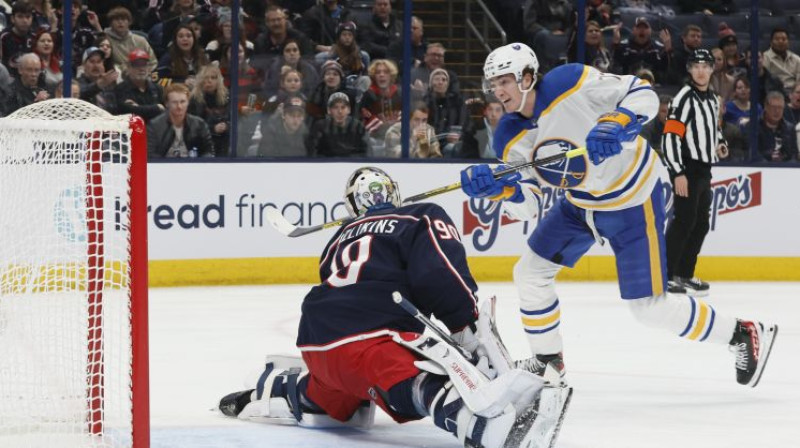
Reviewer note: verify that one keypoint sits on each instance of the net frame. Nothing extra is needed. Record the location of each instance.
(80, 116)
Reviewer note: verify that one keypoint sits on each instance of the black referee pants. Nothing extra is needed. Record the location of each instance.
(690, 224)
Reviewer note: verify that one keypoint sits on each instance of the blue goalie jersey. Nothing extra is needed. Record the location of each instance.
(415, 250)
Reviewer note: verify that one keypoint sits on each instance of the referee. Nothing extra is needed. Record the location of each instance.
(692, 142)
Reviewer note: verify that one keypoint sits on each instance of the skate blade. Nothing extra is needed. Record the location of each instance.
(768, 338)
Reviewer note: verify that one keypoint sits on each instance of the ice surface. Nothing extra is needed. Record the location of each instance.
(634, 386)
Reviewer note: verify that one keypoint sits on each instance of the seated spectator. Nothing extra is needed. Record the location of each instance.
(420, 76)
(321, 23)
(183, 59)
(642, 51)
(122, 40)
(734, 61)
(447, 113)
(382, 104)
(29, 87)
(85, 24)
(223, 39)
(792, 112)
(284, 134)
(422, 138)
(737, 110)
(596, 53)
(738, 146)
(74, 92)
(269, 44)
(479, 134)
(332, 82)
(291, 85)
(600, 12)
(777, 142)
(179, 14)
(339, 134)
(348, 54)
(382, 29)
(43, 46)
(781, 62)
(766, 82)
(250, 100)
(43, 16)
(97, 84)
(654, 129)
(546, 17)
(293, 59)
(138, 94)
(419, 45)
(16, 39)
(211, 102)
(721, 81)
(707, 7)
(691, 39)
(176, 133)
(104, 43)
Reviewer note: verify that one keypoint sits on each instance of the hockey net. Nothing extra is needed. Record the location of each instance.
(73, 278)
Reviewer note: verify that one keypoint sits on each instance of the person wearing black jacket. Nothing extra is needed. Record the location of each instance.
(380, 31)
(176, 133)
(339, 134)
(137, 93)
(447, 112)
(692, 142)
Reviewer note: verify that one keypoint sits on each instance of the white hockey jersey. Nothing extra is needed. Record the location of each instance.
(569, 100)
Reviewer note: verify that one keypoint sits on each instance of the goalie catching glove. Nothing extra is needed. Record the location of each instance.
(478, 181)
(611, 131)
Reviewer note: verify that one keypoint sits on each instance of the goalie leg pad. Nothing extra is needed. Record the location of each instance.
(483, 397)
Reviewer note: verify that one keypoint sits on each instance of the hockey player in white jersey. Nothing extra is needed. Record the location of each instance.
(614, 193)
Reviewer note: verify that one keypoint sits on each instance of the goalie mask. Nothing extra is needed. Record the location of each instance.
(370, 187)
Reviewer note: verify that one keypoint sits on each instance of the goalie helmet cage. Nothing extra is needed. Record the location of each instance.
(73, 278)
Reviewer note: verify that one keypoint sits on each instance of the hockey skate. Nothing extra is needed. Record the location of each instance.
(752, 344)
(549, 367)
(693, 286)
(674, 287)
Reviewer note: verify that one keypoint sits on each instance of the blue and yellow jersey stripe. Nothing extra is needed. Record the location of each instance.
(701, 321)
(542, 320)
(625, 189)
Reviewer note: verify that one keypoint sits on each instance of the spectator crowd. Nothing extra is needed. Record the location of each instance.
(319, 79)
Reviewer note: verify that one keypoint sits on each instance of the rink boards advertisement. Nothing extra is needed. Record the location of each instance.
(211, 216)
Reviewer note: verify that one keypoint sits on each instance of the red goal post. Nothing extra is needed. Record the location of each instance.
(73, 278)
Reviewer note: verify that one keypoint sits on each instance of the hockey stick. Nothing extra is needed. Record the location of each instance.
(455, 186)
(282, 225)
(412, 310)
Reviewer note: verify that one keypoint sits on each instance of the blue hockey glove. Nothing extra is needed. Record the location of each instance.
(478, 181)
(612, 129)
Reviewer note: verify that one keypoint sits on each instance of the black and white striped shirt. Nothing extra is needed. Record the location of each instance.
(692, 129)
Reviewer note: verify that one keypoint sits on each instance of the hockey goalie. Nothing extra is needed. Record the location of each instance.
(360, 349)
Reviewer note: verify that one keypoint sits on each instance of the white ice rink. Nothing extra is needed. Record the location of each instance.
(634, 387)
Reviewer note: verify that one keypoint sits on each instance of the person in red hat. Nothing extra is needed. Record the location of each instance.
(138, 94)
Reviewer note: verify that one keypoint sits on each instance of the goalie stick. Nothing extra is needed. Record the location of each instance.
(282, 225)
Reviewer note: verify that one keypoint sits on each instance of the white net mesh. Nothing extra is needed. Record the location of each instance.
(65, 350)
